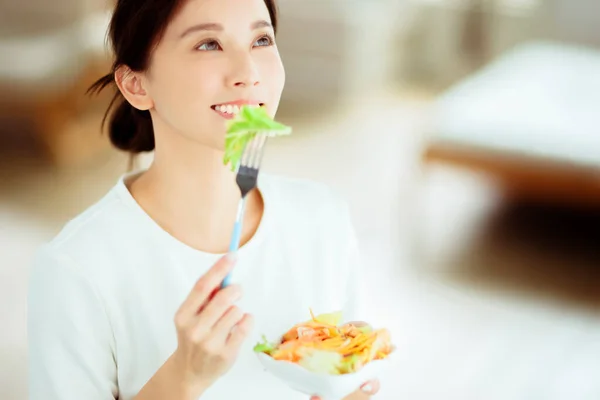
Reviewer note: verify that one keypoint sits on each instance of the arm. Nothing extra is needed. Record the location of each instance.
(210, 332)
(168, 383)
(71, 349)
(71, 345)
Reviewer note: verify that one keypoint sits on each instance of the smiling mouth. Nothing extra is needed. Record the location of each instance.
(231, 110)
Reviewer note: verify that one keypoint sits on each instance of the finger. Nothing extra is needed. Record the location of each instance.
(224, 326)
(371, 387)
(210, 297)
(218, 306)
(239, 333)
(205, 286)
(315, 398)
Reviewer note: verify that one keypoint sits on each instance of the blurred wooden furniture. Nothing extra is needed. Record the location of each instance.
(531, 119)
(52, 59)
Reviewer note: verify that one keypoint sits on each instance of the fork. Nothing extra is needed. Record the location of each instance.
(246, 179)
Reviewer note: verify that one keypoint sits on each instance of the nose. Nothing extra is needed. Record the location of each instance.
(244, 72)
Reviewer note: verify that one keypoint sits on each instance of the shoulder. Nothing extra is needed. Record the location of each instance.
(90, 237)
(69, 266)
(89, 220)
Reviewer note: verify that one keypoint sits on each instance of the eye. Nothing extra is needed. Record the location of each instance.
(264, 41)
(210, 45)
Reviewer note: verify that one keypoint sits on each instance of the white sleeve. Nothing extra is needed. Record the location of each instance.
(71, 345)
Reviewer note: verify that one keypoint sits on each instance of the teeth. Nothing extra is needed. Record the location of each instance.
(232, 109)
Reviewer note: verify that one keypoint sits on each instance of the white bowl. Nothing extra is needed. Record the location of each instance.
(328, 387)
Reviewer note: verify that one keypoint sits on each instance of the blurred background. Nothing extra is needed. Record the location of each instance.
(464, 134)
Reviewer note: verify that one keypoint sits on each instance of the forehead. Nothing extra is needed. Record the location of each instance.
(231, 14)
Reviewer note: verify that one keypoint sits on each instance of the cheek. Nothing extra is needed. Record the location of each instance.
(191, 85)
(275, 73)
(184, 92)
(281, 77)
(279, 72)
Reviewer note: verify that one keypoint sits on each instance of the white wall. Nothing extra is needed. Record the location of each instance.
(335, 49)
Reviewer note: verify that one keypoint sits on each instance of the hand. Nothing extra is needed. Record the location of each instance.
(210, 329)
(365, 392)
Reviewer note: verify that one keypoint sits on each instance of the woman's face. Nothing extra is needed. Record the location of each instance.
(215, 56)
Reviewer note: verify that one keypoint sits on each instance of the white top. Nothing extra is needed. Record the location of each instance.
(104, 292)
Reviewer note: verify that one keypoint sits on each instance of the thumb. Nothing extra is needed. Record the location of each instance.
(371, 387)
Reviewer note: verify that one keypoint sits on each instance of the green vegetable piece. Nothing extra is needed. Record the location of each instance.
(366, 329)
(244, 127)
(348, 364)
(331, 318)
(322, 362)
(264, 346)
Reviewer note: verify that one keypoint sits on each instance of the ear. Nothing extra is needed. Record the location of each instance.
(131, 85)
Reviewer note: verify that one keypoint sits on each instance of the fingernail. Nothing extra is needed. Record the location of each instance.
(231, 257)
(367, 388)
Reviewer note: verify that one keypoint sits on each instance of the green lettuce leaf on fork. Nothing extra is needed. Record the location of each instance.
(244, 127)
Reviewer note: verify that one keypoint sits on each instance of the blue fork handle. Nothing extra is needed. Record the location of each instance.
(233, 247)
(234, 244)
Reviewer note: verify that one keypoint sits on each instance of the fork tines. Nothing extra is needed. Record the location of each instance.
(247, 173)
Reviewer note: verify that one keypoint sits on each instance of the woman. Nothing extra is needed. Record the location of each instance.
(124, 302)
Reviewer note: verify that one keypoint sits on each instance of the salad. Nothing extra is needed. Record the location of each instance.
(249, 122)
(324, 346)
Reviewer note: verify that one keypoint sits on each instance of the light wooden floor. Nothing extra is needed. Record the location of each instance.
(485, 300)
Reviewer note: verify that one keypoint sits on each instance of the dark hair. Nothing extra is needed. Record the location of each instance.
(135, 29)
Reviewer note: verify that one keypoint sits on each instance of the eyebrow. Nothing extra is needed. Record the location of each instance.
(218, 27)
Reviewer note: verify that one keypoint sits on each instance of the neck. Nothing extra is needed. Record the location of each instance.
(201, 186)
(193, 196)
